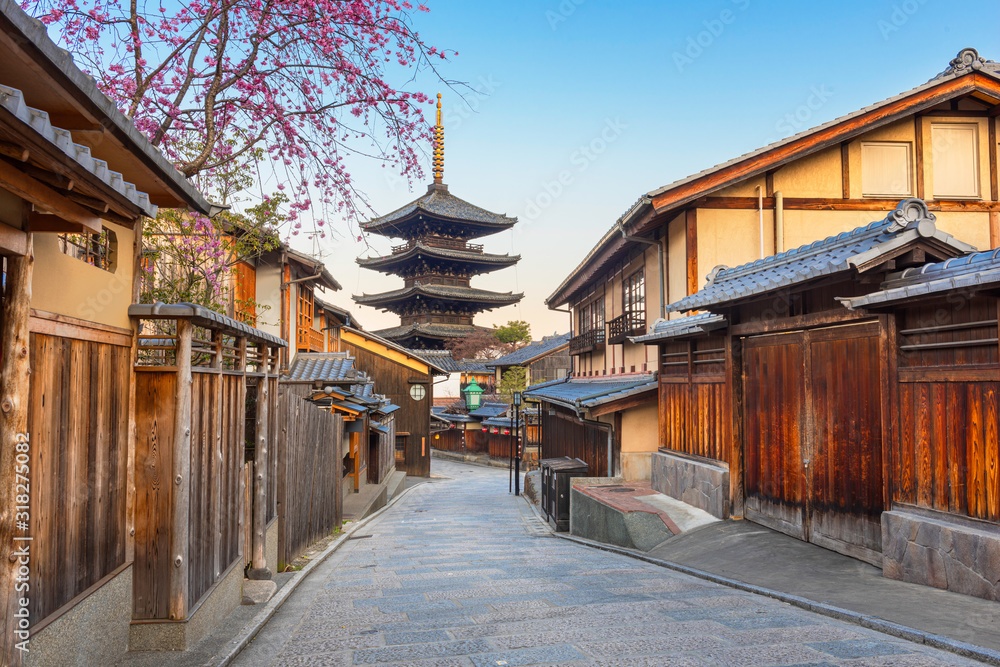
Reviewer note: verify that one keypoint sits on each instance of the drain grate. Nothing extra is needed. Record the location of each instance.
(619, 489)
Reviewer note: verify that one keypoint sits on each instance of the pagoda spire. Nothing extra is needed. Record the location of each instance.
(439, 147)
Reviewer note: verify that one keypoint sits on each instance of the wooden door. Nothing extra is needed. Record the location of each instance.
(845, 459)
(774, 411)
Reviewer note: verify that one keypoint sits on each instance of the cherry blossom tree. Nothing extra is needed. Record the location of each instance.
(215, 82)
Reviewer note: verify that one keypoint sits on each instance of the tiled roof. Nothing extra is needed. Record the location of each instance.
(81, 87)
(582, 393)
(451, 292)
(908, 223)
(502, 422)
(437, 252)
(474, 366)
(487, 410)
(968, 273)
(438, 201)
(972, 63)
(441, 358)
(684, 326)
(532, 351)
(12, 100)
(323, 367)
(202, 316)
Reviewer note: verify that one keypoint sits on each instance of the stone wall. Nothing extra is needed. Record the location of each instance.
(697, 482)
(941, 551)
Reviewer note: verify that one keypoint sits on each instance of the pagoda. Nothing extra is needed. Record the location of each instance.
(437, 262)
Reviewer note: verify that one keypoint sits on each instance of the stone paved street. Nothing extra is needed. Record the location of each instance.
(459, 572)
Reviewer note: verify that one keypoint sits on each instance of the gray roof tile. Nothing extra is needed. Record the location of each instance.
(579, 393)
(909, 222)
(489, 410)
(324, 367)
(685, 326)
(532, 351)
(455, 292)
(970, 272)
(438, 201)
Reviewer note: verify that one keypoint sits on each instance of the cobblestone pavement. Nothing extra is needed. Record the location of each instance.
(459, 572)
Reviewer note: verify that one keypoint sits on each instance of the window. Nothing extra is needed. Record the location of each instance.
(592, 316)
(418, 392)
(304, 319)
(886, 169)
(955, 160)
(98, 250)
(634, 294)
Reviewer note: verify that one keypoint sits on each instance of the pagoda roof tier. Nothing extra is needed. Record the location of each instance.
(442, 212)
(422, 336)
(443, 294)
(474, 260)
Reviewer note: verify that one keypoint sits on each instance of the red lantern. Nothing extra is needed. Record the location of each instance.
(486, 429)
(506, 431)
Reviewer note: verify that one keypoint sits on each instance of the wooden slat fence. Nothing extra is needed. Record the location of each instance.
(78, 424)
(381, 456)
(310, 452)
(564, 435)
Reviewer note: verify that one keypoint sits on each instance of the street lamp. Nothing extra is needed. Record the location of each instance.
(473, 395)
(515, 428)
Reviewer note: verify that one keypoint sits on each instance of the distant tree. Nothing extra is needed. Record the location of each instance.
(481, 344)
(515, 379)
(515, 332)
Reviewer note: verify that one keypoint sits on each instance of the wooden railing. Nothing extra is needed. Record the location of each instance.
(451, 244)
(588, 341)
(310, 340)
(623, 326)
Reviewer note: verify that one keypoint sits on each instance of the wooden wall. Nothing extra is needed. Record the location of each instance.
(394, 380)
(216, 493)
(309, 450)
(946, 455)
(694, 399)
(381, 452)
(78, 424)
(449, 440)
(565, 435)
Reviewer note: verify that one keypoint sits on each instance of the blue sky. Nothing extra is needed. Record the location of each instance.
(623, 97)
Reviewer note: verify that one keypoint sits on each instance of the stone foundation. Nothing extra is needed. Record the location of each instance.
(698, 482)
(942, 551)
(271, 546)
(217, 604)
(97, 627)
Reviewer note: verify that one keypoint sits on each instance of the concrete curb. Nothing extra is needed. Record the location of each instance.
(963, 649)
(250, 631)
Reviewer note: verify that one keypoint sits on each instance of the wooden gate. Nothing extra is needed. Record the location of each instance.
(813, 425)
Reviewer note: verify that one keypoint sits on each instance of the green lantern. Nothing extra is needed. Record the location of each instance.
(473, 395)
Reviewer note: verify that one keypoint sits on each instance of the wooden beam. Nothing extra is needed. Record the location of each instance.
(180, 479)
(769, 182)
(691, 236)
(19, 153)
(46, 198)
(837, 316)
(734, 414)
(994, 229)
(918, 150)
(992, 133)
(13, 241)
(838, 204)
(845, 169)
(15, 374)
(626, 403)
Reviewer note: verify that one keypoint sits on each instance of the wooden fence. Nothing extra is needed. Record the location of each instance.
(381, 453)
(77, 421)
(565, 435)
(310, 451)
(191, 446)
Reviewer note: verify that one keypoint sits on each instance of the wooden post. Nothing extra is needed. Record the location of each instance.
(181, 493)
(137, 273)
(734, 382)
(14, 436)
(260, 479)
(356, 455)
(216, 471)
(691, 245)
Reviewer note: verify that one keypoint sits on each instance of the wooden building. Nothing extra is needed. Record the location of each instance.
(937, 142)
(76, 181)
(407, 380)
(870, 430)
(543, 361)
(437, 262)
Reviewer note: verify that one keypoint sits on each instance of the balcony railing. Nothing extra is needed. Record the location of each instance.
(310, 340)
(623, 326)
(451, 244)
(588, 341)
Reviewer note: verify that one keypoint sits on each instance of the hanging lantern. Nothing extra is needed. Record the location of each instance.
(473, 395)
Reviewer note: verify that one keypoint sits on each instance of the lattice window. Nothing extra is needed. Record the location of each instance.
(304, 317)
(95, 249)
(245, 293)
(634, 293)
